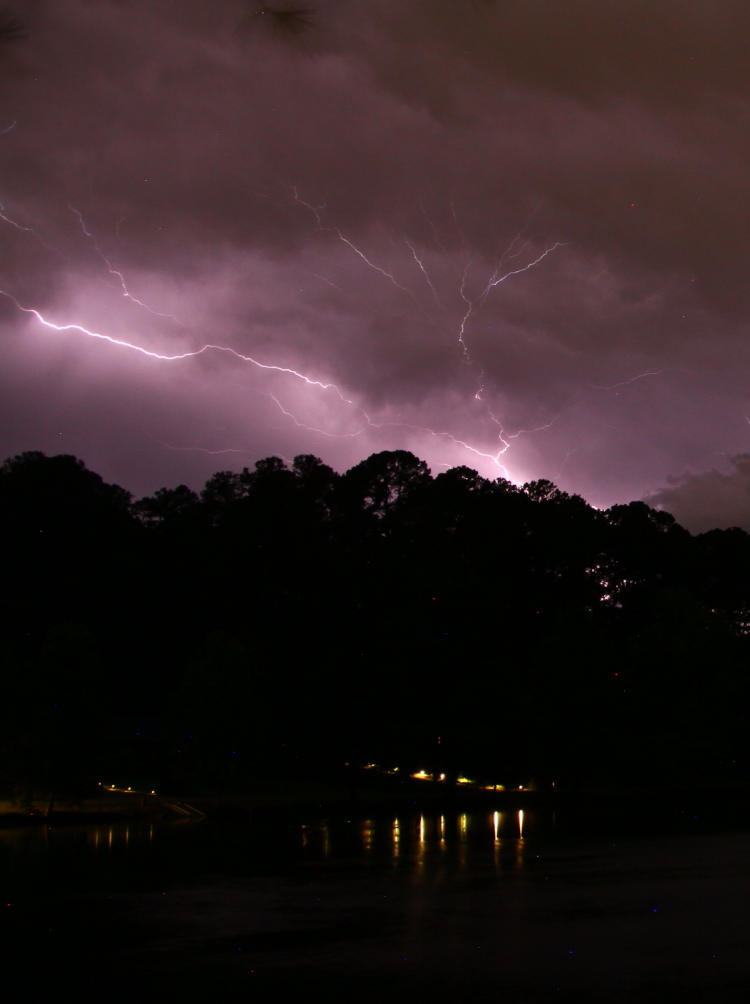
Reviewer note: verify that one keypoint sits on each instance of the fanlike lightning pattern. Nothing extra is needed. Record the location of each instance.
(438, 311)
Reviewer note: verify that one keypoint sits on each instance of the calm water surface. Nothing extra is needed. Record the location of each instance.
(505, 906)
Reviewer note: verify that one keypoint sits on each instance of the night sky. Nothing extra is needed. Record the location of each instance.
(510, 235)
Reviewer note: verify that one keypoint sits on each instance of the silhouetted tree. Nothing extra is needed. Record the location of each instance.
(382, 482)
(220, 492)
(167, 506)
(373, 610)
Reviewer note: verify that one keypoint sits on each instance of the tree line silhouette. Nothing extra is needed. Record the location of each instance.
(290, 618)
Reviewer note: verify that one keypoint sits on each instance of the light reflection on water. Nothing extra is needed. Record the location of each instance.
(419, 841)
(498, 897)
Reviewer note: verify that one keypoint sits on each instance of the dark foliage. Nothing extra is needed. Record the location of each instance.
(292, 616)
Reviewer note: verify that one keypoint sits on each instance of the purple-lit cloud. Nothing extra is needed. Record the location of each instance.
(495, 236)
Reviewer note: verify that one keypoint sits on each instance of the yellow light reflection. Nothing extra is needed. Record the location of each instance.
(396, 837)
(463, 841)
(464, 780)
(421, 845)
(496, 825)
(368, 835)
(520, 841)
(442, 832)
(422, 775)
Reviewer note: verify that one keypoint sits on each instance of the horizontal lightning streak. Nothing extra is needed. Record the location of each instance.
(199, 449)
(515, 249)
(163, 357)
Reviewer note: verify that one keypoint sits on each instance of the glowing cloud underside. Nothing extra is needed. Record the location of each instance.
(499, 274)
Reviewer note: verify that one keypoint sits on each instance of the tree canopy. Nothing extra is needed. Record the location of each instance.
(361, 615)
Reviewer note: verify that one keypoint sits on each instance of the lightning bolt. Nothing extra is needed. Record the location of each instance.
(494, 458)
(315, 210)
(624, 383)
(323, 278)
(376, 268)
(496, 280)
(353, 247)
(468, 310)
(116, 272)
(498, 276)
(28, 230)
(174, 357)
(424, 272)
(18, 226)
(311, 428)
(536, 428)
(197, 449)
(465, 319)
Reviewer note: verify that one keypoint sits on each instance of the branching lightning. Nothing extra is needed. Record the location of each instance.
(22, 228)
(496, 279)
(498, 276)
(465, 319)
(345, 240)
(469, 306)
(116, 272)
(368, 423)
(174, 357)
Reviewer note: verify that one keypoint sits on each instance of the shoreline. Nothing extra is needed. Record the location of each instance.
(285, 799)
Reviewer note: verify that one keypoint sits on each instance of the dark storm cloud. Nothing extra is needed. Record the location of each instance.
(702, 501)
(335, 200)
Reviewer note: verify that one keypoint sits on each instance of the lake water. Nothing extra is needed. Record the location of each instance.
(509, 906)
